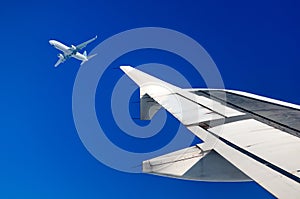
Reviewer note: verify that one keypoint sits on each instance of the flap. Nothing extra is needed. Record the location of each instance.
(196, 164)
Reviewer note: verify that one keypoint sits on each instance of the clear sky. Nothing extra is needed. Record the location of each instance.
(255, 45)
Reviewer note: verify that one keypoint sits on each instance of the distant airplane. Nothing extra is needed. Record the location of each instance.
(72, 51)
(245, 136)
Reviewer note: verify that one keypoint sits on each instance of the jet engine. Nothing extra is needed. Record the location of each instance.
(73, 47)
(60, 56)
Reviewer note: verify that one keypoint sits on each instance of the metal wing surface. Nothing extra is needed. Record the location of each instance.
(245, 136)
(84, 44)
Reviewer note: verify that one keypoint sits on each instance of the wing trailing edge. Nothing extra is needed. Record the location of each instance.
(195, 163)
(259, 137)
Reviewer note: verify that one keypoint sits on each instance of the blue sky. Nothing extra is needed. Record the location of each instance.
(254, 44)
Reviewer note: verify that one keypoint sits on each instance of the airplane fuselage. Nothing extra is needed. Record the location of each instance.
(59, 45)
(72, 51)
(69, 51)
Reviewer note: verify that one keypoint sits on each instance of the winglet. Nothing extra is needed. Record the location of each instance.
(126, 69)
(142, 78)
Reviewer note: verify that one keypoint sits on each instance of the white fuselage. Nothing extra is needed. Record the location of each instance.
(68, 51)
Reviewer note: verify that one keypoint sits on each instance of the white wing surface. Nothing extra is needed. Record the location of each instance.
(245, 136)
(84, 44)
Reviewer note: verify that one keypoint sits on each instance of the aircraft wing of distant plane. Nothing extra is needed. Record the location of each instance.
(84, 44)
(59, 61)
(245, 136)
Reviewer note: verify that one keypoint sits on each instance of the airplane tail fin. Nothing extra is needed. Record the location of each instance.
(87, 57)
(90, 56)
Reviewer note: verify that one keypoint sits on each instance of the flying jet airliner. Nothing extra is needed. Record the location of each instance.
(72, 51)
(245, 136)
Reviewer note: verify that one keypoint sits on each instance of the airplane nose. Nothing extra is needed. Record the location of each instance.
(51, 42)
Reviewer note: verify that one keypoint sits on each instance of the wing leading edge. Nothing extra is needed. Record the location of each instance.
(84, 44)
(246, 135)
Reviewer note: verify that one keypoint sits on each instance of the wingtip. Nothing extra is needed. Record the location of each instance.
(126, 69)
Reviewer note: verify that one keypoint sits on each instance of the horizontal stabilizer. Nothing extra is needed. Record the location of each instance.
(196, 164)
(88, 58)
(91, 56)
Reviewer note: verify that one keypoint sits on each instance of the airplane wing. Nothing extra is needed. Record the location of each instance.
(59, 61)
(245, 136)
(84, 44)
